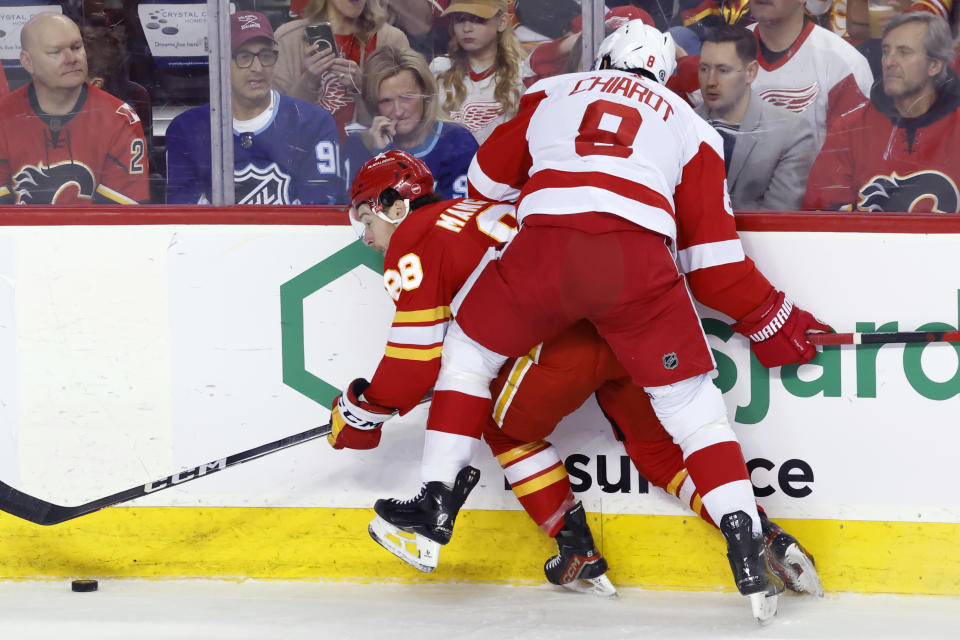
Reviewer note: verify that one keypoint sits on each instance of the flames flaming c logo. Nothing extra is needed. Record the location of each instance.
(923, 191)
(42, 185)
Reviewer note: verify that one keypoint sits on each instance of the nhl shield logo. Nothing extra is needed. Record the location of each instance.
(670, 361)
(269, 185)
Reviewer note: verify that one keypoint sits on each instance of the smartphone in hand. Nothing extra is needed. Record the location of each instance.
(322, 34)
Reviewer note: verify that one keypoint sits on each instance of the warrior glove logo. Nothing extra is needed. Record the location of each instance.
(923, 191)
(43, 185)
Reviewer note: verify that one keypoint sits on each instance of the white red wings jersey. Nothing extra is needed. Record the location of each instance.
(431, 255)
(821, 77)
(617, 143)
(904, 164)
(479, 111)
(95, 155)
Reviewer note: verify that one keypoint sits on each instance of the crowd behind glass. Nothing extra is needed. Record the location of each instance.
(821, 104)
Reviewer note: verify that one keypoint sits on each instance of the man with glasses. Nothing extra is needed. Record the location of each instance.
(285, 151)
(767, 149)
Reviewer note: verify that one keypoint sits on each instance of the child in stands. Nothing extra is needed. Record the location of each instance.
(481, 80)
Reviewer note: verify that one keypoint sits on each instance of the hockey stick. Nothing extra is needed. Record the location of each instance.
(39, 511)
(884, 338)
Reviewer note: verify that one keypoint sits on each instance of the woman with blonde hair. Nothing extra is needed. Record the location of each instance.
(481, 79)
(331, 78)
(400, 90)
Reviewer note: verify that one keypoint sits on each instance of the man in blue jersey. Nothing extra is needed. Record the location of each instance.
(285, 151)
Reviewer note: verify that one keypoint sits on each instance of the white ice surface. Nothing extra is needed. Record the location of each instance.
(195, 610)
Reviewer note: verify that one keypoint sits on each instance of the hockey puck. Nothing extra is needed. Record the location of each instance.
(84, 586)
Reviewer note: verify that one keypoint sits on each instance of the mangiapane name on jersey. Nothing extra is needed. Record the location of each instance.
(497, 221)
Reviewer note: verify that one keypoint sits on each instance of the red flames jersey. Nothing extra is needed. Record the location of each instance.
(95, 155)
(902, 164)
(620, 144)
(431, 255)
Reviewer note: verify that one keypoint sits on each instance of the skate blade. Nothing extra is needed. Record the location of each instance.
(599, 586)
(764, 607)
(803, 573)
(419, 552)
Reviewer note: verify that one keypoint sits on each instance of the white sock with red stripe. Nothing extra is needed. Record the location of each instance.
(693, 413)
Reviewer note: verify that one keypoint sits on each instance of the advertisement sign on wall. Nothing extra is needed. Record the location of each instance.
(179, 345)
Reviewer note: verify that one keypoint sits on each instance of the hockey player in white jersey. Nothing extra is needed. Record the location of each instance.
(617, 181)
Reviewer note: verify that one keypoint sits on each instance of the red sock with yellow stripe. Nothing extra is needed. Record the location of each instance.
(539, 480)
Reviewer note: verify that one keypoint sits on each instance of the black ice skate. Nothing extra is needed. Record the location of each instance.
(746, 553)
(578, 565)
(415, 529)
(789, 560)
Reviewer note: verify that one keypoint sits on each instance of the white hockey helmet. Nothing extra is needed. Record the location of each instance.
(638, 47)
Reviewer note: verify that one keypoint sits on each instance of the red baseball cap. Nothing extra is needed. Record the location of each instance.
(247, 25)
(616, 18)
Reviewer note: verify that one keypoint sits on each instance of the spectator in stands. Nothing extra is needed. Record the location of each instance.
(480, 82)
(806, 68)
(285, 151)
(423, 23)
(322, 76)
(399, 88)
(106, 55)
(899, 151)
(63, 141)
(564, 54)
(768, 150)
(107, 70)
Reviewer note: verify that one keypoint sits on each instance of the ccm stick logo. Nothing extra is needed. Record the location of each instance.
(177, 478)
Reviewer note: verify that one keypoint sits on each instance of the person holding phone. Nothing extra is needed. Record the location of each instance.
(322, 56)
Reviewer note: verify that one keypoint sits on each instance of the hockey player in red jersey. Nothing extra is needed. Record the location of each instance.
(616, 179)
(428, 259)
(63, 141)
(899, 151)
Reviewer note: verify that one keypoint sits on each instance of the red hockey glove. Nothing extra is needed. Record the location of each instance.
(356, 422)
(777, 330)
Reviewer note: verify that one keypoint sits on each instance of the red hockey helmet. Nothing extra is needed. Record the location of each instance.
(389, 176)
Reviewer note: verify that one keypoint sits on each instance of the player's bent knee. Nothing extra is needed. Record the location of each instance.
(467, 366)
(688, 405)
(707, 435)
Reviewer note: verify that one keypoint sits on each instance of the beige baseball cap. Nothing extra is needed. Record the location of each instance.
(483, 8)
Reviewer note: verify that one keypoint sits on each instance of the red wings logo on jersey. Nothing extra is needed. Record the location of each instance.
(43, 185)
(333, 97)
(477, 115)
(923, 191)
(796, 100)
